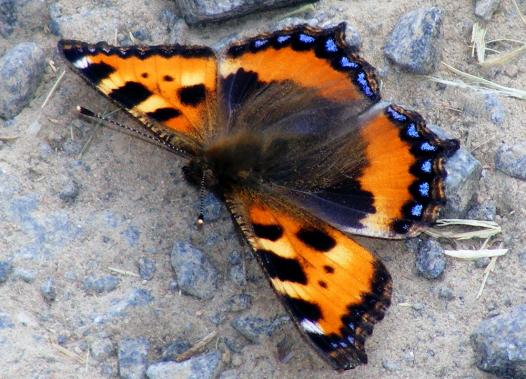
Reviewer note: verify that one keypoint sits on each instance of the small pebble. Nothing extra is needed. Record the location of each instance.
(482, 262)
(390, 365)
(446, 293)
(252, 327)
(430, 259)
(69, 192)
(485, 8)
(511, 160)
(23, 274)
(101, 349)
(5, 321)
(8, 17)
(174, 349)
(195, 273)
(6, 268)
(205, 366)
(101, 285)
(146, 268)
(495, 108)
(499, 344)
(132, 357)
(238, 303)
(485, 211)
(415, 44)
(48, 290)
(21, 70)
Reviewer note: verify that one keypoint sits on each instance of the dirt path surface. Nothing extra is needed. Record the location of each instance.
(89, 215)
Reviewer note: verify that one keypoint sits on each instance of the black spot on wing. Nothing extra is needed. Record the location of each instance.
(269, 232)
(192, 95)
(164, 114)
(130, 94)
(282, 268)
(96, 72)
(237, 87)
(316, 239)
(168, 78)
(328, 269)
(302, 309)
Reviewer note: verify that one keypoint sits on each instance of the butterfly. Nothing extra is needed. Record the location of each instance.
(288, 128)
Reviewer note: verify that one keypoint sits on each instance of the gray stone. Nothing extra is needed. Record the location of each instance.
(132, 357)
(446, 293)
(252, 327)
(132, 235)
(495, 108)
(486, 210)
(202, 11)
(138, 297)
(101, 348)
(5, 321)
(415, 44)
(25, 275)
(482, 262)
(430, 259)
(238, 303)
(511, 160)
(6, 268)
(48, 290)
(390, 365)
(69, 192)
(485, 8)
(21, 70)
(196, 276)
(500, 344)
(100, 285)
(205, 366)
(8, 16)
(213, 208)
(146, 268)
(174, 349)
(462, 181)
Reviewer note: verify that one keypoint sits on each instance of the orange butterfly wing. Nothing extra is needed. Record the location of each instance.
(309, 57)
(169, 86)
(334, 288)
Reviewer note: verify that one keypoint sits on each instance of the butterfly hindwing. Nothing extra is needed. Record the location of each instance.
(396, 185)
(334, 288)
(313, 58)
(169, 86)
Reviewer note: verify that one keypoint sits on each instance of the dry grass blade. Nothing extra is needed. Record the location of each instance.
(475, 254)
(68, 353)
(486, 229)
(489, 268)
(53, 89)
(197, 348)
(478, 37)
(123, 272)
(523, 19)
(8, 138)
(505, 57)
(479, 84)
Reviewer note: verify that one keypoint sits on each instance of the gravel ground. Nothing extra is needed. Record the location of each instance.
(103, 273)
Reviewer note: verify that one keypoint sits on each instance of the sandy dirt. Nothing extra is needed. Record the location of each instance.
(141, 189)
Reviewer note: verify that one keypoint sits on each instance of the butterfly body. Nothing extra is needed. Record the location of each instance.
(286, 127)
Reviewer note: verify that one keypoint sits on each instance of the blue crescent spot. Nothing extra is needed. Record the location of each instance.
(411, 131)
(395, 115)
(426, 166)
(260, 43)
(423, 188)
(282, 39)
(330, 45)
(346, 62)
(364, 84)
(426, 146)
(416, 210)
(306, 39)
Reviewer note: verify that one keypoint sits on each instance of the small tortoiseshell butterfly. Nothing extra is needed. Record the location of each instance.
(285, 128)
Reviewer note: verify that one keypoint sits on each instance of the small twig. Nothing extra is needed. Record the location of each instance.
(505, 57)
(8, 138)
(67, 353)
(197, 348)
(487, 229)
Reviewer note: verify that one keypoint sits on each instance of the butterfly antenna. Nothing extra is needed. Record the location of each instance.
(201, 217)
(147, 136)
